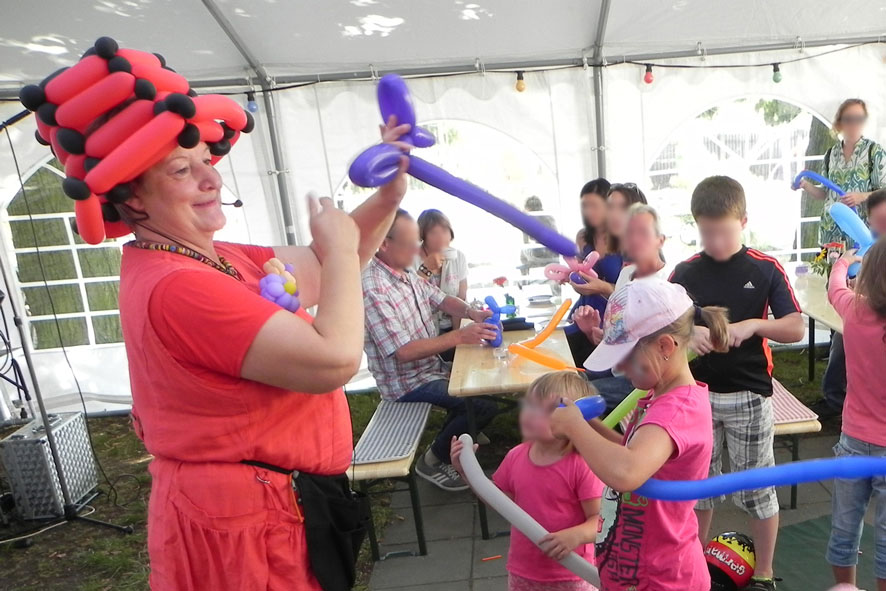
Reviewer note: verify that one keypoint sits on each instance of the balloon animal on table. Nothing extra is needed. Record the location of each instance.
(495, 319)
(526, 349)
(379, 164)
(852, 225)
(158, 111)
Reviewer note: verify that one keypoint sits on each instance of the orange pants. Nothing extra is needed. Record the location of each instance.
(225, 526)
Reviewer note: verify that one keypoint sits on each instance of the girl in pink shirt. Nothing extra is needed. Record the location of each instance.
(645, 544)
(864, 426)
(551, 482)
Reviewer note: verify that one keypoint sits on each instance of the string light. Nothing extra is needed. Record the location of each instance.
(776, 73)
(251, 105)
(521, 84)
(648, 77)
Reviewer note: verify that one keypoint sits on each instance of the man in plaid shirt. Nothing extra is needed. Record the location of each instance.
(403, 346)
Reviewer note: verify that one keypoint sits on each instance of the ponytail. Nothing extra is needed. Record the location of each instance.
(717, 321)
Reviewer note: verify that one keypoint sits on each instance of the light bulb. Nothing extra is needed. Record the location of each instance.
(251, 105)
(648, 77)
(521, 84)
(776, 73)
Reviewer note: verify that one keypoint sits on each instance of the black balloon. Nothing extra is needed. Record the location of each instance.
(118, 63)
(220, 148)
(40, 139)
(90, 163)
(250, 122)
(75, 188)
(189, 137)
(109, 212)
(32, 96)
(71, 140)
(106, 47)
(181, 104)
(46, 112)
(119, 193)
(145, 89)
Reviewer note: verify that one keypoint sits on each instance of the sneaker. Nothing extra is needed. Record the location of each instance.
(442, 475)
(482, 439)
(760, 585)
(825, 410)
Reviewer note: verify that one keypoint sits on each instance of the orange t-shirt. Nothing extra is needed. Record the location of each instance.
(187, 329)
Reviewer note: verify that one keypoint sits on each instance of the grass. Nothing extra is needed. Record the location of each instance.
(83, 557)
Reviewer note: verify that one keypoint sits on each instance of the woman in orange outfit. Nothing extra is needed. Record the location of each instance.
(221, 376)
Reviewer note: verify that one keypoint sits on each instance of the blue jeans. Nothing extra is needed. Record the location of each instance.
(850, 502)
(437, 393)
(613, 389)
(833, 384)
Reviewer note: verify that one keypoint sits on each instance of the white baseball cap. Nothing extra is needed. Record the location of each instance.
(636, 310)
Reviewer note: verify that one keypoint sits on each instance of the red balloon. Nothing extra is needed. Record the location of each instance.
(74, 166)
(59, 152)
(99, 98)
(103, 140)
(162, 79)
(76, 79)
(142, 58)
(136, 154)
(90, 225)
(216, 106)
(43, 129)
(210, 131)
(116, 229)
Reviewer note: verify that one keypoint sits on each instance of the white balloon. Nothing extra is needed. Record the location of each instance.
(492, 496)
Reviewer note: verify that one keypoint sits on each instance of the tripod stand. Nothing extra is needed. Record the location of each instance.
(71, 509)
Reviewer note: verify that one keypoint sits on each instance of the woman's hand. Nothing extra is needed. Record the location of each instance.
(854, 199)
(587, 319)
(333, 230)
(390, 134)
(455, 453)
(594, 286)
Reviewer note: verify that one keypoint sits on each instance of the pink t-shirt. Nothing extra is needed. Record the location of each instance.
(552, 495)
(863, 332)
(649, 545)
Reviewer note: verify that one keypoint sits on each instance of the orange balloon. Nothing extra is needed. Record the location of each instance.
(549, 329)
(538, 357)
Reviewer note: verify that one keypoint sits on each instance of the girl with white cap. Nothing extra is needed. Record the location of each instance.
(646, 544)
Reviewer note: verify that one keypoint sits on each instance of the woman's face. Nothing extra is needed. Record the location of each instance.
(852, 121)
(641, 242)
(181, 194)
(616, 213)
(593, 209)
(437, 239)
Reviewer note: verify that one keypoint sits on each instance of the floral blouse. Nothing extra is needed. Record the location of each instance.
(865, 171)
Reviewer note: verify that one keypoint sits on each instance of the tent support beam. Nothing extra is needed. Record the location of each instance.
(266, 83)
(599, 60)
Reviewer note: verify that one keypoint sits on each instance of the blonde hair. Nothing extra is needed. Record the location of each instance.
(560, 384)
(716, 319)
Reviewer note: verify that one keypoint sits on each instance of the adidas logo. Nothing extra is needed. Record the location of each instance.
(749, 285)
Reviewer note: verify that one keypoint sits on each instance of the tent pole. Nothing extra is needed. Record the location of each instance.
(266, 83)
(599, 61)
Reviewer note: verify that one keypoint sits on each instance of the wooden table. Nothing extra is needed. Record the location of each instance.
(812, 294)
(476, 372)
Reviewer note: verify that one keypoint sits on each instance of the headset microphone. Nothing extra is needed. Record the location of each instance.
(236, 203)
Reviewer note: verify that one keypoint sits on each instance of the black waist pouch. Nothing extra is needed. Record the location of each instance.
(336, 522)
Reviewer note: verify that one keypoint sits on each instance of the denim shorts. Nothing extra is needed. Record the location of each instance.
(850, 502)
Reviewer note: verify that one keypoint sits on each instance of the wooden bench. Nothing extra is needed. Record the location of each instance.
(792, 419)
(386, 451)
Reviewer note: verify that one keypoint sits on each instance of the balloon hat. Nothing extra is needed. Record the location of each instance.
(113, 115)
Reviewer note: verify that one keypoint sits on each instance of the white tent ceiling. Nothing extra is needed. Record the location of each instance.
(336, 38)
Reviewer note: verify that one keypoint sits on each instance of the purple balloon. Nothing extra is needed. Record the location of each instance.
(394, 99)
(296, 303)
(289, 267)
(274, 278)
(284, 300)
(576, 278)
(263, 282)
(275, 290)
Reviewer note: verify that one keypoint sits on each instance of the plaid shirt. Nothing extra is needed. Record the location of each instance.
(399, 309)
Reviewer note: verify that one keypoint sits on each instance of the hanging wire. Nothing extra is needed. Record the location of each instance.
(113, 493)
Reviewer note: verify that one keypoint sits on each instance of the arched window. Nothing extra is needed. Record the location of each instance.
(499, 164)
(761, 142)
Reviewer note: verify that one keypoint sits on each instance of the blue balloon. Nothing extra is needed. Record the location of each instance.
(784, 474)
(815, 177)
(379, 164)
(852, 225)
(591, 407)
(495, 320)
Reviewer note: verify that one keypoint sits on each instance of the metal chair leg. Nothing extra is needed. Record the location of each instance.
(373, 542)
(795, 456)
(416, 514)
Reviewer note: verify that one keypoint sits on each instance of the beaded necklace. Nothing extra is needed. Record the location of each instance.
(225, 267)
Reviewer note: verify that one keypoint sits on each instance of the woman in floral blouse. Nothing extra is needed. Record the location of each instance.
(856, 164)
